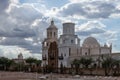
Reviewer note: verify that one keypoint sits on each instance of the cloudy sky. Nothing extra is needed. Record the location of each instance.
(23, 23)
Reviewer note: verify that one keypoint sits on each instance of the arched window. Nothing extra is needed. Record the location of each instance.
(54, 34)
(76, 41)
(64, 54)
(52, 64)
(72, 41)
(69, 51)
(77, 51)
(47, 34)
(45, 44)
(50, 34)
(63, 41)
(60, 41)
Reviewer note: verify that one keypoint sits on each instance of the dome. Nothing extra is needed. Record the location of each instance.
(20, 56)
(90, 42)
(52, 26)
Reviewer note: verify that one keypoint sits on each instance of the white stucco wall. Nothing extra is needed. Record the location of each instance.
(68, 28)
(105, 50)
(94, 51)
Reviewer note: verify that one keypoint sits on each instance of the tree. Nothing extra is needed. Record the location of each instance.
(5, 63)
(106, 64)
(115, 66)
(33, 61)
(86, 62)
(76, 63)
(38, 62)
(9, 63)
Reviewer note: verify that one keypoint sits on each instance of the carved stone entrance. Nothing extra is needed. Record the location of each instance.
(53, 57)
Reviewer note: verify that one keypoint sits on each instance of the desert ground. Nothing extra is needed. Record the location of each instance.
(37, 76)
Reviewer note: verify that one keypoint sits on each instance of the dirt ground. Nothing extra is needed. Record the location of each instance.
(36, 76)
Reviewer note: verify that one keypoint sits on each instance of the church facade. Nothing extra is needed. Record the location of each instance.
(63, 50)
(50, 47)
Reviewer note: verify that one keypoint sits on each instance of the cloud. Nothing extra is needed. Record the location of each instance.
(30, 1)
(23, 22)
(95, 9)
(25, 13)
(40, 29)
(17, 23)
(76, 1)
(18, 32)
(16, 27)
(4, 4)
(97, 30)
(24, 43)
(91, 27)
(14, 41)
(33, 48)
(13, 51)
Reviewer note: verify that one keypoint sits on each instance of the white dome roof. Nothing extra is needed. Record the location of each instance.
(90, 42)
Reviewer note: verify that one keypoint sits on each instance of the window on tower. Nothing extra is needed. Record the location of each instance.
(69, 51)
(52, 64)
(44, 43)
(50, 34)
(47, 44)
(63, 41)
(72, 41)
(76, 41)
(64, 54)
(60, 41)
(47, 34)
(54, 34)
(77, 51)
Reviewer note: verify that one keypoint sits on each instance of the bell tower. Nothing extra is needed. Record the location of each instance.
(50, 48)
(52, 31)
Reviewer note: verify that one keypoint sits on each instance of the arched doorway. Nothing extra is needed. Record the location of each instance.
(53, 57)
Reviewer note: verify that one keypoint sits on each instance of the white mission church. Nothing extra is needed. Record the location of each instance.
(66, 48)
